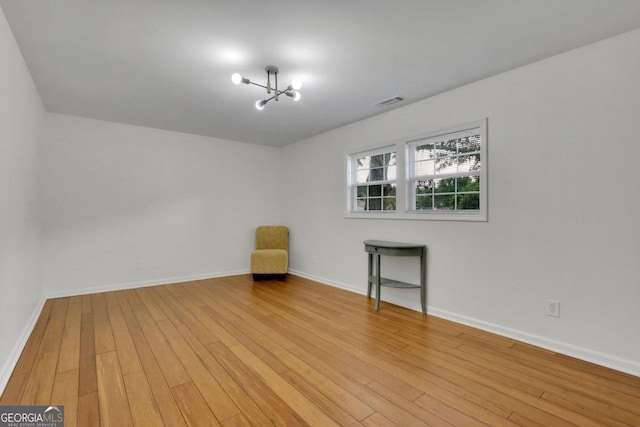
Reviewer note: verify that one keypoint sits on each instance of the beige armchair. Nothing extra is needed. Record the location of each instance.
(271, 256)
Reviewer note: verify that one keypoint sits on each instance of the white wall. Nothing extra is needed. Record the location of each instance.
(21, 114)
(563, 206)
(183, 206)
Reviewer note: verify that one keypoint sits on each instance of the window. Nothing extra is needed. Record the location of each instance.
(443, 176)
(445, 172)
(373, 180)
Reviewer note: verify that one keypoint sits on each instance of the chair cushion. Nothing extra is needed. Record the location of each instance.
(269, 261)
(272, 237)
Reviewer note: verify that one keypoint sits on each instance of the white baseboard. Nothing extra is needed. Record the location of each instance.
(607, 360)
(141, 284)
(14, 356)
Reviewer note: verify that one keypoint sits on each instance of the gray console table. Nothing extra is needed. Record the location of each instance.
(379, 247)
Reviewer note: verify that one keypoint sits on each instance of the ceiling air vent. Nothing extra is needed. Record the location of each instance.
(390, 101)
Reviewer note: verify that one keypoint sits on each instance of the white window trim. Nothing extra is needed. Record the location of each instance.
(403, 193)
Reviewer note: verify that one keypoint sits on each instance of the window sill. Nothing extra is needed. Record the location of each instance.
(419, 216)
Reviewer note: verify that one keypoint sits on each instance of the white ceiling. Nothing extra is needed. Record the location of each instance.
(167, 64)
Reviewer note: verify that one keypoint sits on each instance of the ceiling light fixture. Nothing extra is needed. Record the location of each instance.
(291, 90)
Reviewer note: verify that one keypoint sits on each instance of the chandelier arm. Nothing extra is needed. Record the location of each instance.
(257, 84)
(280, 92)
(284, 92)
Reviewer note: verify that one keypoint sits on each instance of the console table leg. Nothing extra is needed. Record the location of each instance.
(370, 273)
(423, 281)
(378, 276)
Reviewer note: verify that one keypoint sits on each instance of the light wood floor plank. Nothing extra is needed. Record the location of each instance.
(238, 420)
(377, 420)
(194, 408)
(220, 403)
(264, 396)
(126, 350)
(39, 386)
(144, 410)
(289, 394)
(88, 410)
(162, 394)
(169, 363)
(614, 417)
(230, 351)
(65, 393)
(102, 333)
(70, 345)
(88, 382)
(55, 327)
(112, 395)
(340, 397)
(327, 405)
(237, 394)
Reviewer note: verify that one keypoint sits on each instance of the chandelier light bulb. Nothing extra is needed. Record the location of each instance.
(296, 96)
(260, 104)
(296, 84)
(236, 78)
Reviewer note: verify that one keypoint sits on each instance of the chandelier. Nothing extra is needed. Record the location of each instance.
(272, 73)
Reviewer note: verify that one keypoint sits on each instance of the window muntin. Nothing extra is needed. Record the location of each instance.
(373, 180)
(445, 172)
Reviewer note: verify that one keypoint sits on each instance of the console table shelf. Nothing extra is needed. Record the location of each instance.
(390, 283)
(378, 248)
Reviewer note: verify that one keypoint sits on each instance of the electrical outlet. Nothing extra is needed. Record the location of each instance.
(139, 265)
(553, 308)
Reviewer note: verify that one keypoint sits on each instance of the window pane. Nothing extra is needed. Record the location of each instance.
(447, 185)
(362, 163)
(390, 159)
(446, 148)
(469, 144)
(363, 176)
(391, 173)
(423, 202)
(377, 160)
(377, 174)
(361, 205)
(389, 190)
(389, 203)
(425, 168)
(375, 190)
(469, 163)
(425, 152)
(375, 204)
(445, 165)
(424, 186)
(444, 202)
(468, 202)
(362, 191)
(468, 183)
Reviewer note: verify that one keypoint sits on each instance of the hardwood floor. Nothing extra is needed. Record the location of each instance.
(230, 352)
